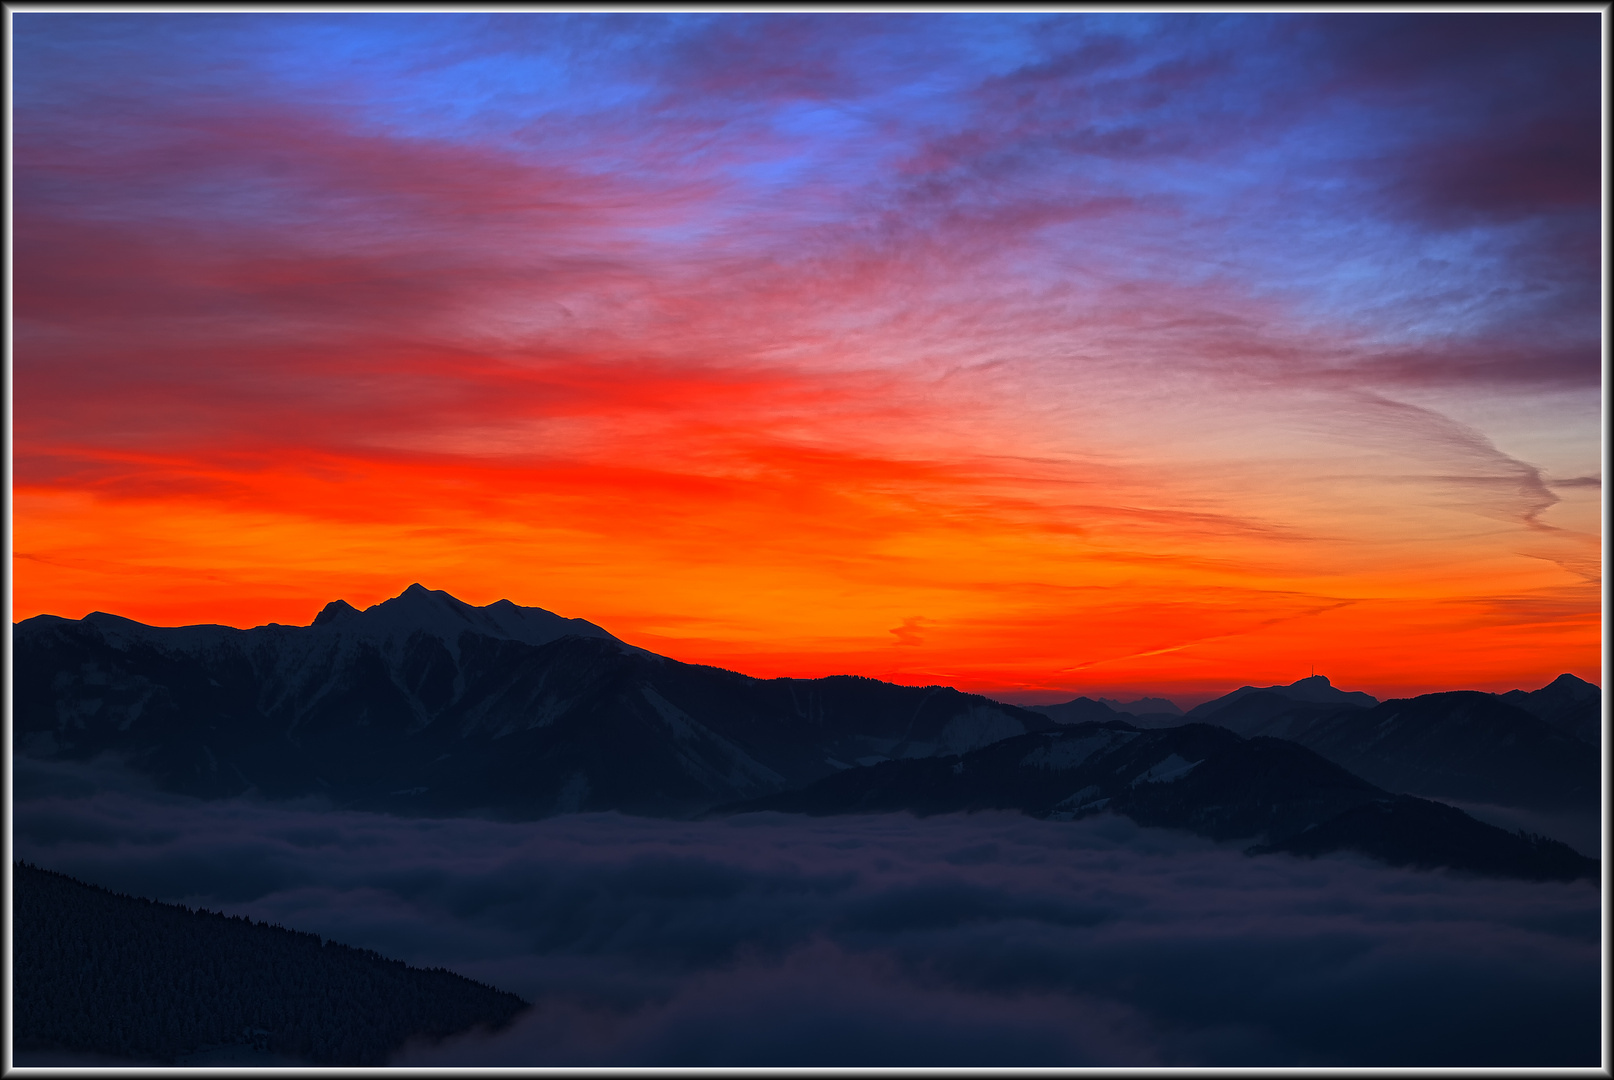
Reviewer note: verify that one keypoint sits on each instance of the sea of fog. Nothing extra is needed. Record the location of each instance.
(773, 939)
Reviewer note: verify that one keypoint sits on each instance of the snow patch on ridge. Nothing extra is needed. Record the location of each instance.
(1069, 753)
(977, 726)
(1172, 769)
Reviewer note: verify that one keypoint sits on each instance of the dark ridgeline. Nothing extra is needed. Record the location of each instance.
(1234, 710)
(1404, 830)
(1571, 705)
(111, 974)
(1197, 777)
(425, 705)
(1463, 745)
(1081, 710)
(1312, 690)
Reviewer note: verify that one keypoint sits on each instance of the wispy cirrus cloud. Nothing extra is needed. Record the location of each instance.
(896, 286)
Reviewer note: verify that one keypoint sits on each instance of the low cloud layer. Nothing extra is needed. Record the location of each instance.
(988, 939)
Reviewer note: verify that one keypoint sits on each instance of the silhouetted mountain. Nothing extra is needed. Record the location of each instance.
(1461, 745)
(1084, 710)
(431, 611)
(423, 704)
(1147, 706)
(1080, 710)
(1569, 704)
(1314, 689)
(101, 972)
(1403, 830)
(1272, 714)
(1197, 777)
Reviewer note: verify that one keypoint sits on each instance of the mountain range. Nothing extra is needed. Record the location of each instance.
(1162, 712)
(1571, 705)
(1519, 755)
(1477, 750)
(425, 705)
(1197, 777)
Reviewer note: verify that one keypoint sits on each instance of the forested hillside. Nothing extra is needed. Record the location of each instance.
(112, 974)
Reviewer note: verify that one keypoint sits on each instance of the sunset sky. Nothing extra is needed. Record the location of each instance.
(1039, 355)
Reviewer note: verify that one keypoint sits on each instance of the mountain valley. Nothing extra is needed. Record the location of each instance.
(425, 706)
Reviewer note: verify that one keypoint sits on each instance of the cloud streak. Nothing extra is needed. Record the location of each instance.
(875, 308)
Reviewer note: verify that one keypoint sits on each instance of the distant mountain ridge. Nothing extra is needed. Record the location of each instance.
(1477, 749)
(1156, 712)
(1145, 706)
(1079, 711)
(1314, 689)
(1460, 744)
(1197, 777)
(415, 610)
(423, 704)
(1570, 704)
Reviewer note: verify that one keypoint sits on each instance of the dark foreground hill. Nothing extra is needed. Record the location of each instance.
(103, 973)
(426, 705)
(1197, 777)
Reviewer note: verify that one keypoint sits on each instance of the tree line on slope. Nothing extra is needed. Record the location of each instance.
(112, 974)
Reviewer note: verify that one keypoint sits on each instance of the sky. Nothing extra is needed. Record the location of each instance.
(985, 939)
(1034, 354)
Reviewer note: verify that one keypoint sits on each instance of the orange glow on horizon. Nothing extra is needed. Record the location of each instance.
(809, 564)
(1044, 361)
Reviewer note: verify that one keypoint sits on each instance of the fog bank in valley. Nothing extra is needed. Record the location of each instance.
(773, 939)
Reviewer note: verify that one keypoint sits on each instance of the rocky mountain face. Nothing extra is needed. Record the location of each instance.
(423, 704)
